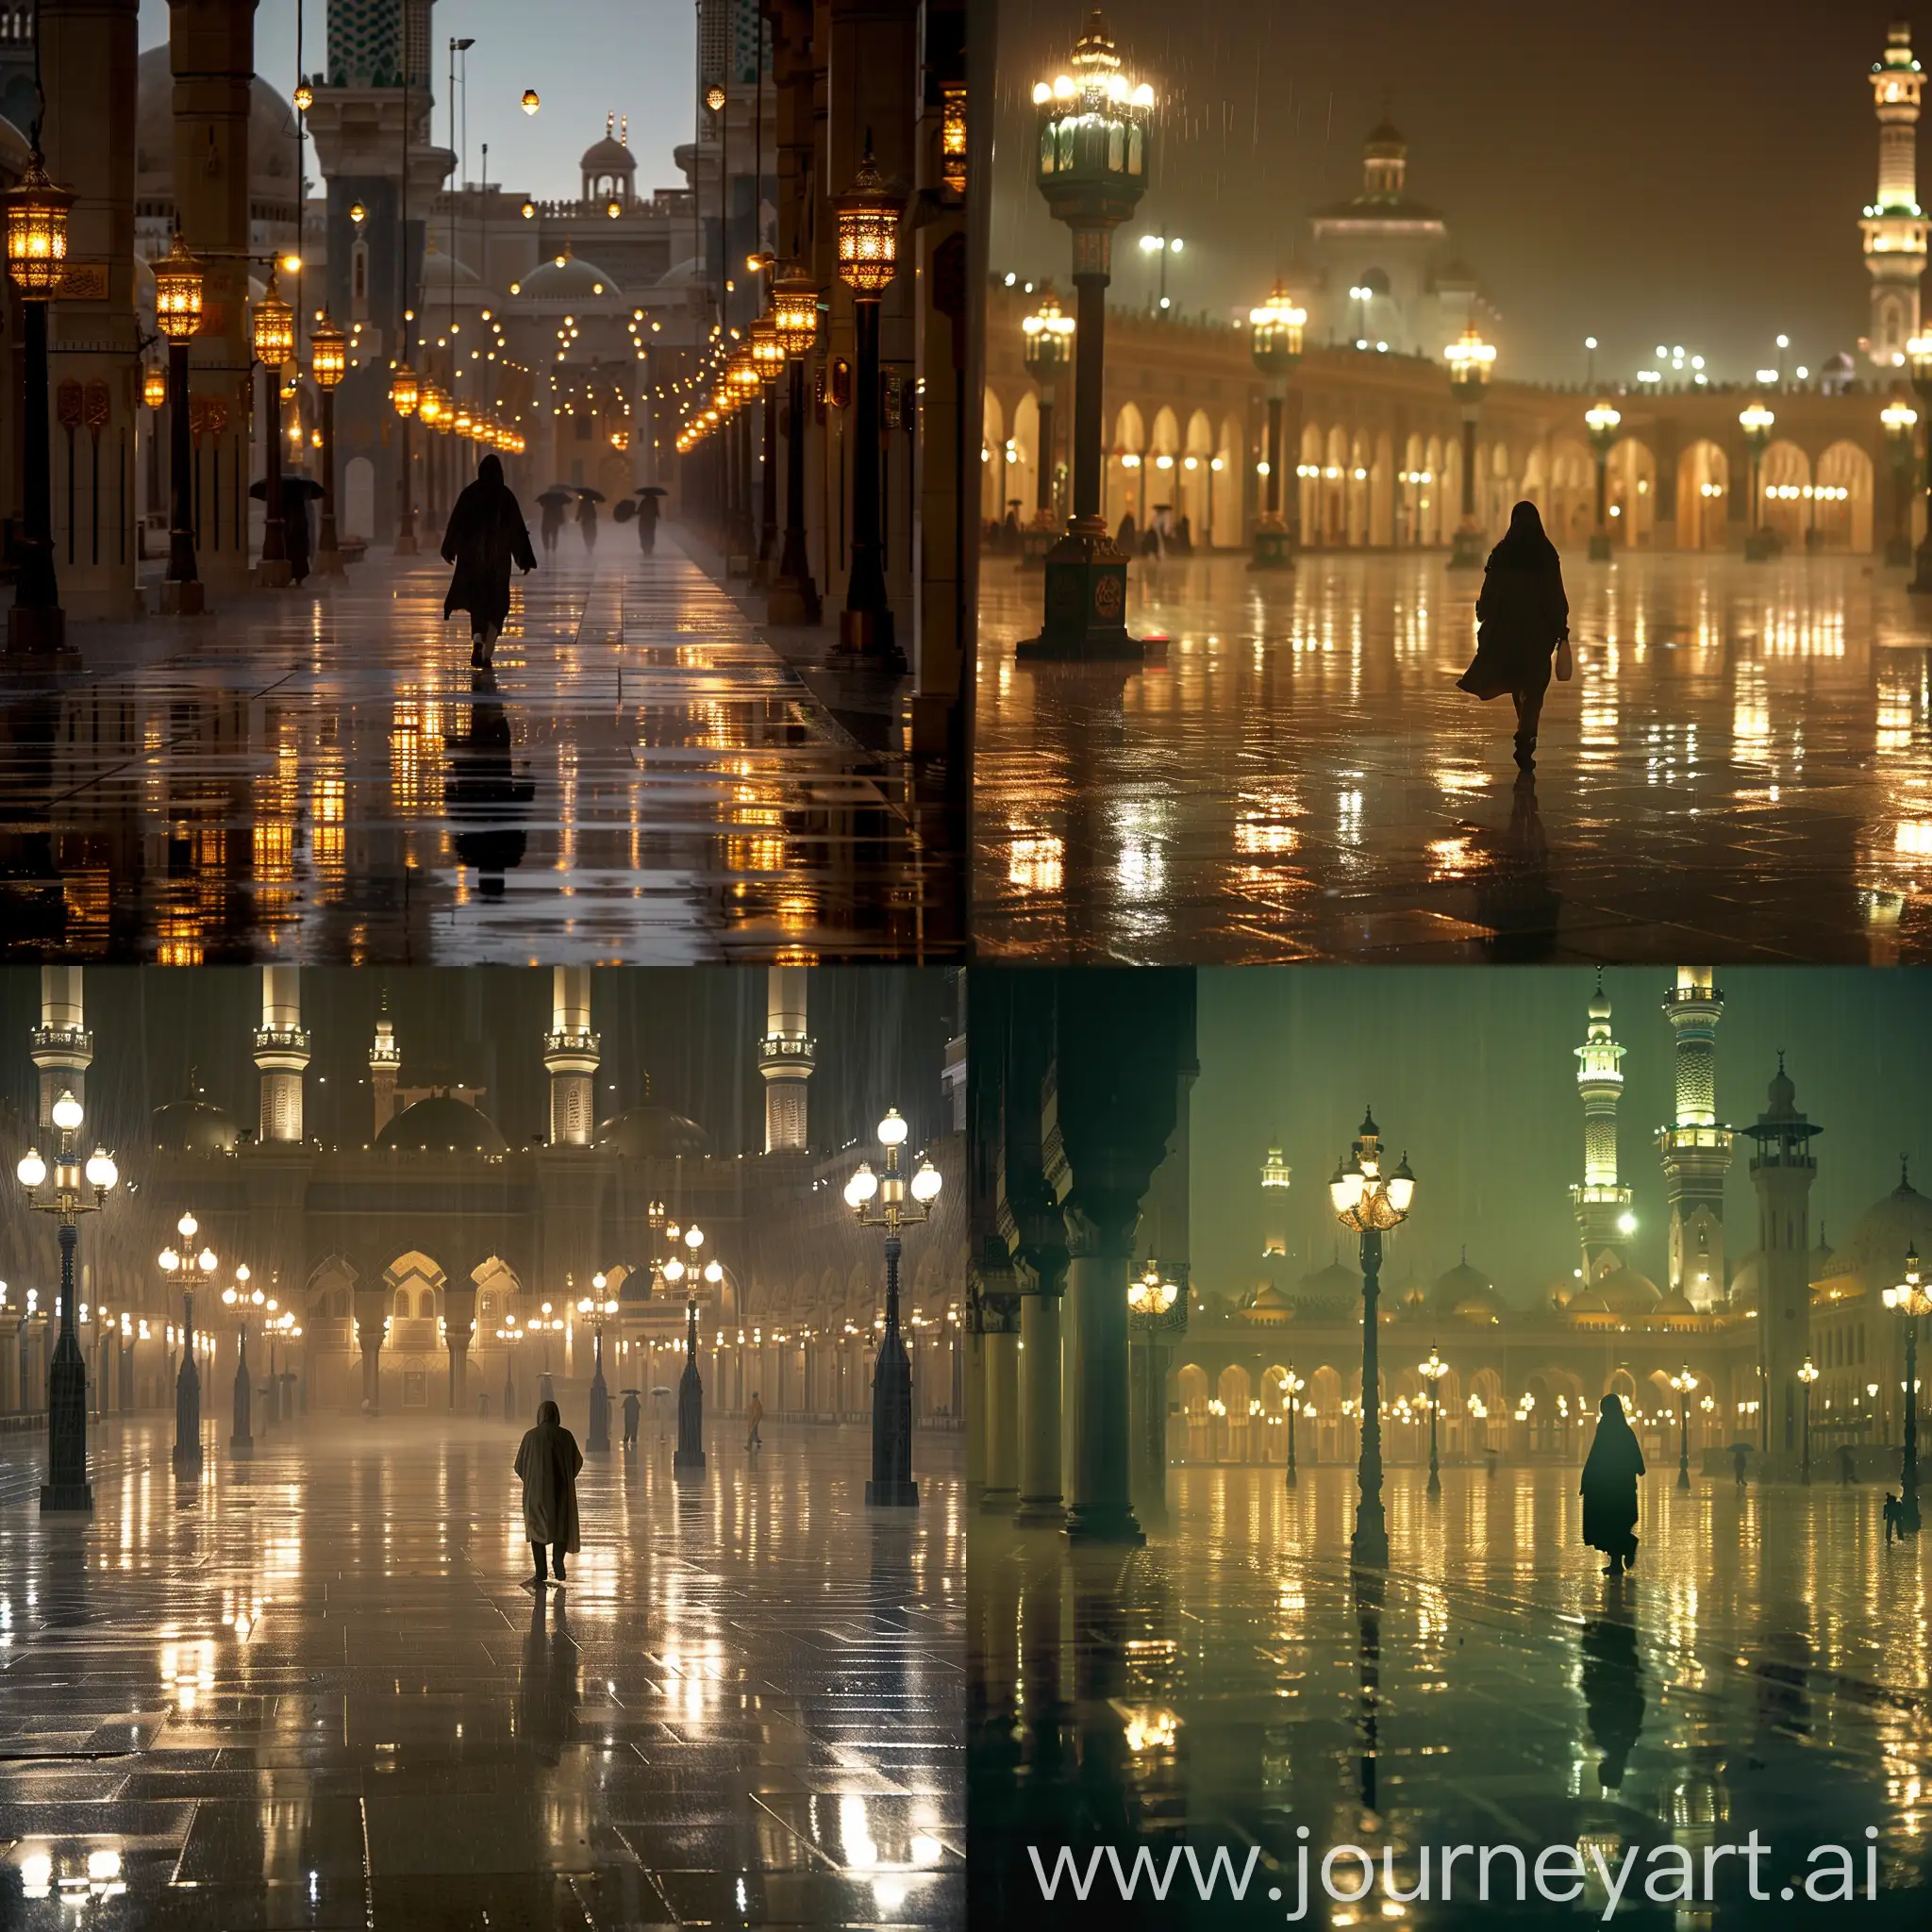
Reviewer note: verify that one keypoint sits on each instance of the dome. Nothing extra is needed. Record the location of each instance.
(1325, 1283)
(1557, 1291)
(608, 156)
(441, 1124)
(1631, 1295)
(191, 1126)
(1468, 1295)
(654, 1133)
(1385, 134)
(566, 278)
(1588, 1306)
(1672, 1308)
(1873, 1253)
(271, 138)
(1748, 1282)
(445, 271)
(1270, 1309)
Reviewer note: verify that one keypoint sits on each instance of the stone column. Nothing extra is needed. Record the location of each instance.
(1100, 1252)
(458, 1328)
(88, 66)
(372, 1306)
(1001, 1424)
(975, 1415)
(1042, 1505)
(211, 54)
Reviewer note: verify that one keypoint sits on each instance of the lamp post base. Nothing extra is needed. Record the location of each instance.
(1369, 1548)
(272, 574)
(1112, 1526)
(1600, 546)
(870, 634)
(1466, 549)
(67, 1499)
(188, 599)
(1274, 549)
(688, 1461)
(186, 1463)
(37, 631)
(891, 1496)
(1760, 547)
(1086, 601)
(794, 600)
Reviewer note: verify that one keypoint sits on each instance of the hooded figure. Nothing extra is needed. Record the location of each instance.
(587, 522)
(548, 1460)
(647, 524)
(486, 536)
(1521, 616)
(552, 523)
(1609, 1488)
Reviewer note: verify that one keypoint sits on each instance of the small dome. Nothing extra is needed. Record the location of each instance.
(193, 1125)
(1588, 1306)
(1385, 135)
(1674, 1306)
(1874, 1251)
(1458, 1283)
(654, 1133)
(1748, 1282)
(608, 156)
(440, 1125)
(1325, 1283)
(272, 135)
(1270, 1309)
(445, 271)
(1631, 1295)
(566, 278)
(1558, 1291)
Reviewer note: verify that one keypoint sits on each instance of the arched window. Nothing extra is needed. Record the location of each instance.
(426, 1303)
(402, 1304)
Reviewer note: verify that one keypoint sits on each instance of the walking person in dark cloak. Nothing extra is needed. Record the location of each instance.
(548, 1460)
(486, 535)
(587, 522)
(647, 524)
(1521, 616)
(1609, 1488)
(552, 524)
(630, 1418)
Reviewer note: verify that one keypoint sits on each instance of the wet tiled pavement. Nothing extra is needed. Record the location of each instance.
(1741, 770)
(319, 1696)
(1764, 1668)
(323, 779)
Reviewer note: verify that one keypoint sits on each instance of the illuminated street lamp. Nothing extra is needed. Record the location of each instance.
(187, 1266)
(901, 1204)
(1371, 1203)
(328, 360)
(1471, 361)
(274, 338)
(1900, 421)
(689, 1457)
(868, 214)
(1157, 1307)
(77, 1190)
(1291, 1387)
(1759, 541)
(1432, 1373)
(1047, 350)
(1274, 341)
(596, 1309)
(1601, 420)
(795, 317)
(1912, 1301)
(178, 281)
(1091, 152)
(1683, 1382)
(1808, 1375)
(1162, 246)
(405, 397)
(36, 258)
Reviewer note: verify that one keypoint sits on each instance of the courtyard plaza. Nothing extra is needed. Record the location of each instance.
(320, 775)
(317, 1692)
(1764, 1668)
(1741, 770)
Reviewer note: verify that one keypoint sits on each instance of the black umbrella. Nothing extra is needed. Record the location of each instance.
(624, 512)
(595, 496)
(555, 496)
(652, 490)
(294, 489)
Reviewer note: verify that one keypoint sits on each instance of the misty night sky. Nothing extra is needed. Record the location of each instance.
(1472, 1070)
(1650, 173)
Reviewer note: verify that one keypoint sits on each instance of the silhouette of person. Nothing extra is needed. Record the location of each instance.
(485, 536)
(1521, 616)
(647, 524)
(1514, 897)
(548, 1460)
(551, 527)
(587, 522)
(630, 1418)
(1740, 1455)
(482, 783)
(754, 1415)
(1847, 1465)
(547, 1683)
(1613, 1701)
(1894, 1519)
(1609, 1488)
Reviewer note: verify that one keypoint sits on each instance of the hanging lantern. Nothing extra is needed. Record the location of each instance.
(37, 233)
(463, 422)
(795, 314)
(531, 101)
(714, 97)
(178, 291)
(273, 328)
(741, 374)
(329, 353)
(869, 215)
(429, 405)
(613, 207)
(154, 386)
(405, 391)
(767, 351)
(357, 213)
(305, 98)
(953, 136)
(529, 215)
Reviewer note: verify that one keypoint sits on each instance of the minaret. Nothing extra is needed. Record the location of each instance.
(785, 1061)
(1696, 1150)
(1894, 227)
(63, 1048)
(1782, 1170)
(281, 1053)
(570, 1056)
(385, 1063)
(1601, 1202)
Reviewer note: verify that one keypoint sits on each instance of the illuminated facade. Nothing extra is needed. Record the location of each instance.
(1894, 224)
(1601, 1201)
(1696, 1146)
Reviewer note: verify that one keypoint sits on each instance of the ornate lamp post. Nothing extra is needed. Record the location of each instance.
(742, 379)
(240, 1297)
(1759, 541)
(1900, 421)
(405, 394)
(688, 1458)
(67, 1487)
(596, 1309)
(1912, 1301)
(1274, 341)
(901, 1204)
(1432, 1373)
(329, 361)
(36, 256)
(1808, 1375)
(768, 358)
(1471, 361)
(1047, 350)
(795, 318)
(177, 315)
(869, 213)
(275, 342)
(1683, 1382)
(1601, 420)
(1291, 1388)
(1091, 160)
(187, 1265)
(1371, 1203)
(1156, 1307)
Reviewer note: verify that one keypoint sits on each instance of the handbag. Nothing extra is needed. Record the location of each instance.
(1566, 664)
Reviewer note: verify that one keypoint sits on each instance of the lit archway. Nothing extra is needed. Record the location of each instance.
(1704, 497)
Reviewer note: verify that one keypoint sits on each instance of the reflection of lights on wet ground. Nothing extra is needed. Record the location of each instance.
(92, 1874)
(1449, 859)
(1914, 837)
(187, 1670)
(1150, 1728)
(1036, 863)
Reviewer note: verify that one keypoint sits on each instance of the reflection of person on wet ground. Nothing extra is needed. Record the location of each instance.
(1514, 897)
(486, 535)
(1612, 1693)
(1609, 1488)
(482, 783)
(548, 1460)
(1521, 616)
(547, 1684)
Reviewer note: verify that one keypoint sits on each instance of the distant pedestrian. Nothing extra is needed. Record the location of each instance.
(1609, 1488)
(754, 1415)
(1739, 1455)
(631, 1406)
(486, 536)
(1523, 616)
(548, 1460)
(647, 522)
(1847, 1465)
(1490, 1457)
(587, 521)
(483, 1405)
(1894, 1519)
(551, 523)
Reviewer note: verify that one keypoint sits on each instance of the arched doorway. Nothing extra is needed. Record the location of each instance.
(1632, 493)
(1784, 482)
(1123, 471)
(1841, 512)
(992, 443)
(1704, 497)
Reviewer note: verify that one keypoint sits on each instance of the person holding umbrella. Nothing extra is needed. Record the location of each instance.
(297, 493)
(631, 1406)
(647, 518)
(486, 535)
(553, 503)
(587, 501)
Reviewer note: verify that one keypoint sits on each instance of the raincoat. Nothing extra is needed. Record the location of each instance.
(548, 1460)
